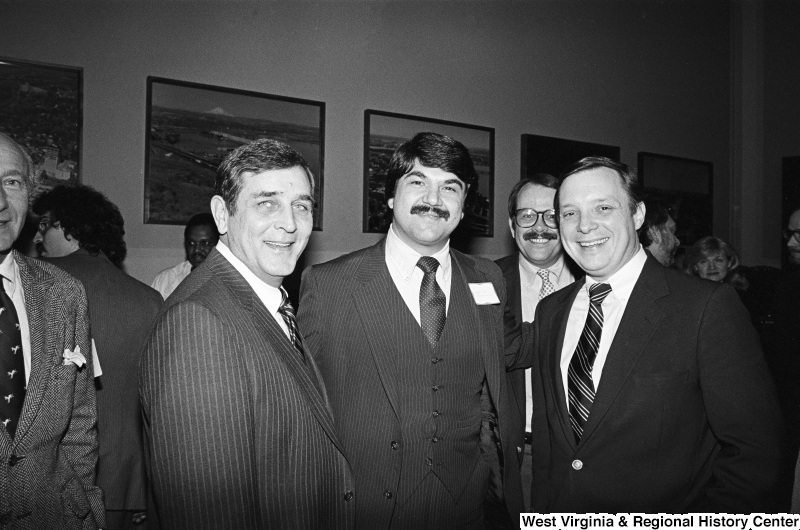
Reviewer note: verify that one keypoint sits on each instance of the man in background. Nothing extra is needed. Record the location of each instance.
(48, 438)
(657, 234)
(199, 237)
(82, 232)
(651, 393)
(537, 269)
(237, 422)
(410, 340)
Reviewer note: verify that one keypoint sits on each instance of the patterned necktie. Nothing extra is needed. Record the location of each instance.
(12, 376)
(287, 312)
(547, 286)
(579, 376)
(432, 301)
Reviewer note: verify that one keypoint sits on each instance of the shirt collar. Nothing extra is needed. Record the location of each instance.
(9, 270)
(556, 268)
(270, 296)
(405, 258)
(623, 281)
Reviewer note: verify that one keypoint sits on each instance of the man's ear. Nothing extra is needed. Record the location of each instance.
(390, 202)
(511, 225)
(220, 213)
(655, 234)
(638, 215)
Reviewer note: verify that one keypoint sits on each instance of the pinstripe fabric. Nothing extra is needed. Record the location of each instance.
(353, 329)
(238, 434)
(52, 483)
(121, 310)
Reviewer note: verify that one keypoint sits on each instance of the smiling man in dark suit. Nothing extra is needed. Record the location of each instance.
(409, 336)
(237, 421)
(651, 393)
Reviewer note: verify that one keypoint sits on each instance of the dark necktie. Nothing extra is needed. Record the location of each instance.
(432, 301)
(287, 312)
(579, 376)
(12, 376)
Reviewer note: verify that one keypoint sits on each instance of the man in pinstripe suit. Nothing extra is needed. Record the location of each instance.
(411, 394)
(237, 421)
(48, 447)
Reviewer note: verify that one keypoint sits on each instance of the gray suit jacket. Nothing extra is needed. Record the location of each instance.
(47, 472)
(237, 426)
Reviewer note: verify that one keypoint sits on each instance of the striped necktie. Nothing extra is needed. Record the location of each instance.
(12, 364)
(287, 312)
(579, 375)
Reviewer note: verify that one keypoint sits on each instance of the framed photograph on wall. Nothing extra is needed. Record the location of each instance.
(41, 108)
(192, 127)
(687, 186)
(546, 154)
(384, 131)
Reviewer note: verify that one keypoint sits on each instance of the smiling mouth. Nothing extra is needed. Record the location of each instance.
(596, 242)
(278, 245)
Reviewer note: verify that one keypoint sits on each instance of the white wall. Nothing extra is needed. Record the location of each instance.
(644, 75)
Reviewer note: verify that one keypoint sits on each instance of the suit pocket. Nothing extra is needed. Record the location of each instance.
(74, 501)
(661, 379)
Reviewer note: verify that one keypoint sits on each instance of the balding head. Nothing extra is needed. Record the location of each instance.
(16, 183)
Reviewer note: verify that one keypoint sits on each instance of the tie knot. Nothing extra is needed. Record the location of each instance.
(286, 305)
(598, 292)
(544, 274)
(428, 264)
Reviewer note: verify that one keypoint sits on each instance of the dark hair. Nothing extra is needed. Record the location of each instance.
(261, 155)
(628, 177)
(706, 247)
(202, 219)
(542, 179)
(431, 150)
(87, 216)
(657, 213)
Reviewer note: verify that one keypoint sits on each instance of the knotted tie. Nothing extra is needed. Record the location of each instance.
(432, 301)
(12, 376)
(579, 376)
(547, 286)
(287, 312)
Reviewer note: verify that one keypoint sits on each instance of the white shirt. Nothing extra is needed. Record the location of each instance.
(402, 263)
(622, 283)
(12, 284)
(167, 280)
(530, 286)
(270, 296)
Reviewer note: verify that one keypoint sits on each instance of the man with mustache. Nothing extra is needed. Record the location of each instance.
(410, 339)
(538, 269)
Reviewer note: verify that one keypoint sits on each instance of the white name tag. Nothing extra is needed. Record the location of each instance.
(484, 293)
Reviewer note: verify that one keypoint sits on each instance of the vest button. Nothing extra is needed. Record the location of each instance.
(435, 413)
(395, 446)
(435, 439)
(435, 360)
(429, 461)
(387, 494)
(435, 388)
(577, 465)
(348, 496)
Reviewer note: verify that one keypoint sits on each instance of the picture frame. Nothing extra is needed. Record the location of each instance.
(548, 154)
(41, 108)
(687, 186)
(384, 131)
(191, 127)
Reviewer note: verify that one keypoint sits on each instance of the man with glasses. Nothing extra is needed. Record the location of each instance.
(82, 233)
(538, 269)
(199, 237)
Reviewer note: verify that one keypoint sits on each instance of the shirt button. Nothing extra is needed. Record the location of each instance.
(395, 446)
(577, 465)
(348, 496)
(435, 413)
(387, 494)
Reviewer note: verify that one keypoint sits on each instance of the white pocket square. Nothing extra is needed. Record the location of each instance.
(74, 357)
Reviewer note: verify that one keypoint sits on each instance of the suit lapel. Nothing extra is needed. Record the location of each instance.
(380, 317)
(269, 330)
(639, 321)
(35, 286)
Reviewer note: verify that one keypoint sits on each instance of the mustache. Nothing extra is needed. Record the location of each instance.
(421, 208)
(536, 234)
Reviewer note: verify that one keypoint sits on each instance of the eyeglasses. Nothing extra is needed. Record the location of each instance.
(791, 234)
(45, 224)
(527, 217)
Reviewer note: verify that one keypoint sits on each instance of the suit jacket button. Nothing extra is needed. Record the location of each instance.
(13, 459)
(577, 465)
(395, 446)
(6, 518)
(348, 496)
(387, 494)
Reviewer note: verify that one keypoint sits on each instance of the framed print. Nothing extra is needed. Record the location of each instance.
(687, 186)
(41, 108)
(192, 127)
(384, 131)
(545, 154)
